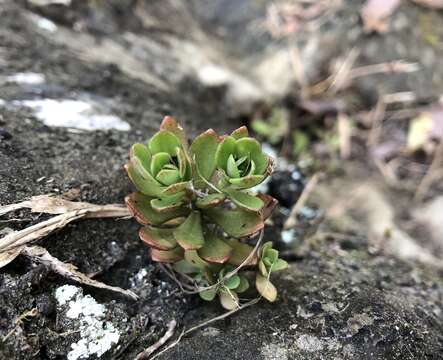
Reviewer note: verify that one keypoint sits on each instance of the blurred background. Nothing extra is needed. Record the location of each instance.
(347, 95)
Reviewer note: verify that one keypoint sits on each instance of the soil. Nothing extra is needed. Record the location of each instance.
(141, 61)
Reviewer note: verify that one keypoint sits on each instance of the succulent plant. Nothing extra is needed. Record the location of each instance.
(197, 212)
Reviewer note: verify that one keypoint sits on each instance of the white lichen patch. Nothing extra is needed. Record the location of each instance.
(75, 114)
(309, 343)
(65, 293)
(274, 352)
(26, 78)
(96, 335)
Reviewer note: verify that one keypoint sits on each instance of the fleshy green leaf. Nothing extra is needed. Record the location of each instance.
(168, 176)
(241, 132)
(190, 234)
(272, 255)
(140, 207)
(159, 238)
(231, 168)
(158, 161)
(224, 150)
(240, 252)
(168, 256)
(229, 300)
(164, 141)
(265, 288)
(267, 245)
(194, 259)
(215, 250)
(171, 125)
(210, 200)
(233, 282)
(142, 180)
(208, 294)
(183, 163)
(247, 182)
(262, 268)
(280, 264)
(168, 203)
(249, 146)
(141, 152)
(184, 267)
(236, 223)
(245, 200)
(175, 188)
(243, 286)
(204, 148)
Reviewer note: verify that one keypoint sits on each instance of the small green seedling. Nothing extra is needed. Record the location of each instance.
(198, 214)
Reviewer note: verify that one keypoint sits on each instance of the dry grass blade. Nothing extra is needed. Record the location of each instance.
(39, 230)
(42, 256)
(8, 256)
(168, 334)
(68, 211)
(57, 205)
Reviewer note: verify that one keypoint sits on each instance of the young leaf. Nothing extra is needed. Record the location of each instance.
(265, 288)
(208, 294)
(231, 168)
(280, 264)
(229, 300)
(168, 256)
(250, 147)
(236, 223)
(190, 234)
(158, 238)
(158, 161)
(204, 148)
(245, 200)
(140, 207)
(224, 150)
(215, 250)
(271, 254)
(233, 282)
(262, 268)
(243, 286)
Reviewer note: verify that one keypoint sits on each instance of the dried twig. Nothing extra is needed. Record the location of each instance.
(291, 221)
(15, 243)
(19, 321)
(68, 211)
(42, 256)
(168, 334)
